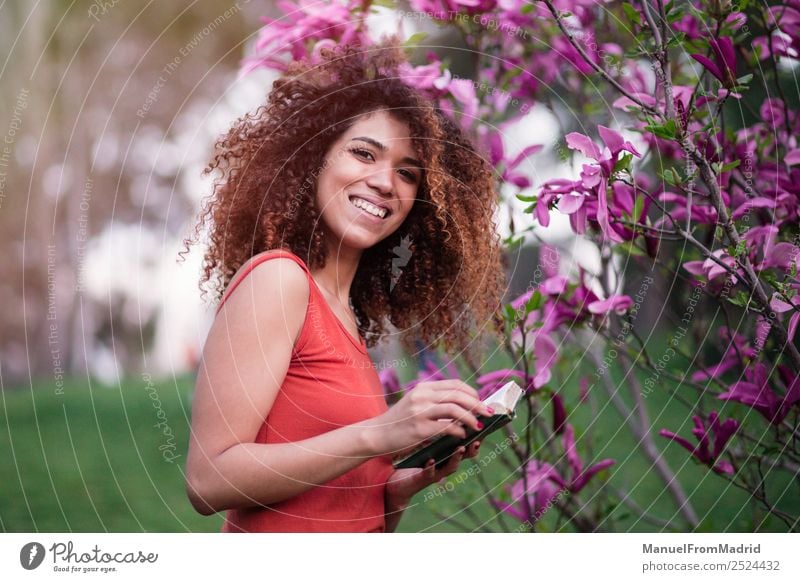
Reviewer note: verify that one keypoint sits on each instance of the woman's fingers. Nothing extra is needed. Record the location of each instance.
(472, 450)
(460, 393)
(452, 463)
(455, 385)
(455, 412)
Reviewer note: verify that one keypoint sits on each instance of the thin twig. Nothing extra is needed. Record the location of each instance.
(595, 66)
(656, 521)
(641, 433)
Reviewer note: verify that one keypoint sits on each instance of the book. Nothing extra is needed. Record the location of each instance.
(504, 402)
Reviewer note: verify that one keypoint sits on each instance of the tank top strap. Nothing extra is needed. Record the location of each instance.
(257, 260)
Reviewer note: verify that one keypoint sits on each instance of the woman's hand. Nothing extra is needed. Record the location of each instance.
(430, 410)
(403, 484)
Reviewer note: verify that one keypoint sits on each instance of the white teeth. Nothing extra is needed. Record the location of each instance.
(368, 207)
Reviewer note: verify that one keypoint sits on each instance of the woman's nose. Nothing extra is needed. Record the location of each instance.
(381, 179)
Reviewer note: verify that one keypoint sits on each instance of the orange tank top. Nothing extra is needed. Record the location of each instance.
(331, 382)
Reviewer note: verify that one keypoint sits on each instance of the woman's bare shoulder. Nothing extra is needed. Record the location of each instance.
(270, 292)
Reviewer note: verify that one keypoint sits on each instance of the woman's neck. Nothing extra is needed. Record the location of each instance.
(337, 275)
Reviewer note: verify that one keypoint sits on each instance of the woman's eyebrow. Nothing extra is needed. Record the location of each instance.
(383, 148)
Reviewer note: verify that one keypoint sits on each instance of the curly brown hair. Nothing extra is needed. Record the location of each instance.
(454, 280)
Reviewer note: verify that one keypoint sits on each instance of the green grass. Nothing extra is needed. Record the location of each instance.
(88, 460)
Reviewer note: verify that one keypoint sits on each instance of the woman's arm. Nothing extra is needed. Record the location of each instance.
(244, 363)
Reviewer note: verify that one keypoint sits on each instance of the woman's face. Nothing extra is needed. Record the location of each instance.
(369, 181)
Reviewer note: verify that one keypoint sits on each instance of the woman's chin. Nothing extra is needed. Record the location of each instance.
(362, 239)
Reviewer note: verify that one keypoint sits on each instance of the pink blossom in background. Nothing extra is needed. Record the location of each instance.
(755, 391)
(736, 346)
(306, 23)
(705, 432)
(723, 67)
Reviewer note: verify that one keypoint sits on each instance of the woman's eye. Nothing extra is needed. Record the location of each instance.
(363, 153)
(408, 175)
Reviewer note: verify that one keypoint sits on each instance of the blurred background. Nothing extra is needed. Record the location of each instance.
(109, 112)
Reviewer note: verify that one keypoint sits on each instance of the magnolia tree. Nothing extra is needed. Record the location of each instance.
(688, 177)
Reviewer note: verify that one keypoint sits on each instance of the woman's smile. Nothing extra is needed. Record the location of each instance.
(376, 211)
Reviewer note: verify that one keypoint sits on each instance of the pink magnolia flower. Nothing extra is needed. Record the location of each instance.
(537, 339)
(781, 47)
(703, 451)
(736, 347)
(711, 269)
(723, 67)
(431, 79)
(783, 256)
(772, 112)
(588, 197)
(306, 23)
(780, 306)
(785, 19)
(756, 393)
(701, 213)
(579, 477)
(430, 372)
(617, 303)
(462, 92)
(690, 26)
(792, 158)
(545, 482)
(508, 166)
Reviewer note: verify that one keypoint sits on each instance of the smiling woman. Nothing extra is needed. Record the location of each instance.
(317, 190)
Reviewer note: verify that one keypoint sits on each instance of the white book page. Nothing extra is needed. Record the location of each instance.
(505, 400)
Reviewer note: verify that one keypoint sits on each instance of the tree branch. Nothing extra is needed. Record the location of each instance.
(594, 65)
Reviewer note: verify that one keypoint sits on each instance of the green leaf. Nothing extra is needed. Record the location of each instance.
(513, 242)
(385, 3)
(624, 163)
(628, 249)
(671, 177)
(527, 8)
(730, 166)
(632, 14)
(741, 299)
(535, 302)
(665, 130)
(415, 38)
(676, 40)
(744, 80)
(768, 277)
(523, 198)
(638, 208)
